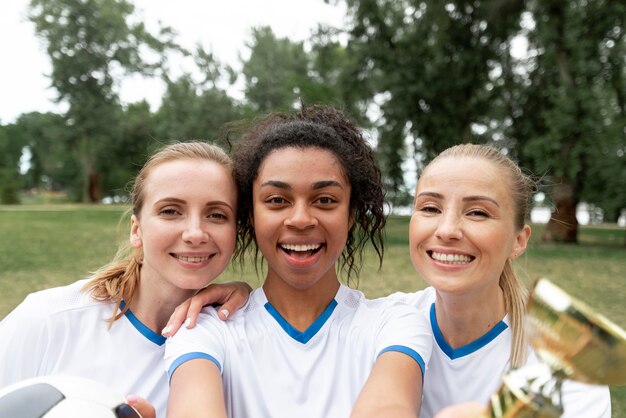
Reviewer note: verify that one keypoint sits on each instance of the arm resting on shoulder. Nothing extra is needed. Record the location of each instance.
(232, 296)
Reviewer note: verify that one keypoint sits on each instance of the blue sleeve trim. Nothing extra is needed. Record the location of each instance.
(192, 356)
(409, 352)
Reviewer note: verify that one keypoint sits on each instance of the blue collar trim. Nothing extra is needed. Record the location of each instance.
(144, 330)
(306, 335)
(466, 349)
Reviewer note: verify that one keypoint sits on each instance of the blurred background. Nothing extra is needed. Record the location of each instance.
(90, 87)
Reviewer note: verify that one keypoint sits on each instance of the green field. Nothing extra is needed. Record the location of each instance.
(44, 246)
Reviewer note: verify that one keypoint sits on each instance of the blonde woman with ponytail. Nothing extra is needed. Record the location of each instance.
(108, 327)
(468, 225)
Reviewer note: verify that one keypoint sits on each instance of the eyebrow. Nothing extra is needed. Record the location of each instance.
(315, 186)
(465, 199)
(181, 201)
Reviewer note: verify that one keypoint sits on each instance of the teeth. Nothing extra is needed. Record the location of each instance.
(308, 247)
(192, 259)
(451, 258)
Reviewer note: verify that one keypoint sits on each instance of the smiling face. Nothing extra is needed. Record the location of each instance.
(462, 230)
(186, 226)
(301, 215)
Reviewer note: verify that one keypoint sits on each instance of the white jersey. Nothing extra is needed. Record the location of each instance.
(270, 369)
(64, 331)
(474, 372)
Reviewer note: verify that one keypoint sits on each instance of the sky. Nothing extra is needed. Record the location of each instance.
(220, 26)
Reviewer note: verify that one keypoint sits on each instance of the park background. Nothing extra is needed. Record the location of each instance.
(544, 81)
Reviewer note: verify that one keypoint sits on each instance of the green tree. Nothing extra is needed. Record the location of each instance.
(51, 166)
(197, 109)
(10, 153)
(275, 71)
(433, 67)
(127, 153)
(91, 44)
(575, 90)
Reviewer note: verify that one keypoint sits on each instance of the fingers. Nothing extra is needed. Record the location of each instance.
(237, 299)
(176, 319)
(142, 406)
(232, 296)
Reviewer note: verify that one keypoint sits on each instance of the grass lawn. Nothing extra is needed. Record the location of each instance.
(44, 246)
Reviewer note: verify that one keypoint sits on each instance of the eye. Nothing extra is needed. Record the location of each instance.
(478, 213)
(326, 200)
(429, 209)
(218, 216)
(276, 200)
(169, 212)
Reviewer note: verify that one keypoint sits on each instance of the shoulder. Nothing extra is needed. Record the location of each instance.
(420, 299)
(45, 303)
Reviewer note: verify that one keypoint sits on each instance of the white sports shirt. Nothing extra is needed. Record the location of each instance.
(270, 369)
(474, 372)
(63, 331)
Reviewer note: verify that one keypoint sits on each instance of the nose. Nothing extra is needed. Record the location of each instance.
(449, 227)
(301, 216)
(195, 232)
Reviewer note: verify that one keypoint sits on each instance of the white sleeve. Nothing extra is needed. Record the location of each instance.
(206, 340)
(405, 329)
(25, 337)
(420, 299)
(585, 401)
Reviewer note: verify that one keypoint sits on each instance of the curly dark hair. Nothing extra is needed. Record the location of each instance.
(328, 129)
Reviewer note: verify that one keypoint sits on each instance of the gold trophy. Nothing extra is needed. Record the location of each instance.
(573, 342)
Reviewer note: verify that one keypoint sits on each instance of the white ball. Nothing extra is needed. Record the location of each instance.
(63, 397)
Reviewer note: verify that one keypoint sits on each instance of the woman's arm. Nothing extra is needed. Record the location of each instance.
(196, 391)
(232, 296)
(393, 389)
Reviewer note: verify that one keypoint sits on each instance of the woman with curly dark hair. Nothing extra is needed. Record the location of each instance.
(310, 198)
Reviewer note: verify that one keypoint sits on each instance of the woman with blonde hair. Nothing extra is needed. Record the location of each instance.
(468, 225)
(107, 327)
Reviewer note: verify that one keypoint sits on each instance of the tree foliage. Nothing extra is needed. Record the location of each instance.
(91, 43)
(444, 73)
(431, 65)
(574, 88)
(423, 74)
(193, 109)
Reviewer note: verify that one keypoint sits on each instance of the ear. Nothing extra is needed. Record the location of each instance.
(521, 241)
(135, 233)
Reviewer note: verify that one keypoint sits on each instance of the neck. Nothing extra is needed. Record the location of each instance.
(300, 307)
(153, 304)
(464, 318)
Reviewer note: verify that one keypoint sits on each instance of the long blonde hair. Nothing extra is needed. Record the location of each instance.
(522, 188)
(118, 280)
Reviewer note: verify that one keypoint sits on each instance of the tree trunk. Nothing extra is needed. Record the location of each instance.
(563, 225)
(95, 192)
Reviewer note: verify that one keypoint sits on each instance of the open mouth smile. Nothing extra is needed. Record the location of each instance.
(300, 250)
